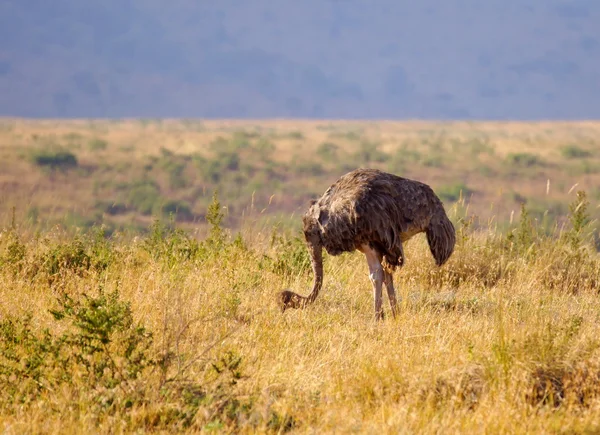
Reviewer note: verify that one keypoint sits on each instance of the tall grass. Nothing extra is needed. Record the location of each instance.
(169, 332)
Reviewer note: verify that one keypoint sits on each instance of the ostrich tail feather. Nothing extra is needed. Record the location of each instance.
(441, 237)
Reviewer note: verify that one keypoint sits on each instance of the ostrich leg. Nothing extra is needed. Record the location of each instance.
(376, 276)
(388, 279)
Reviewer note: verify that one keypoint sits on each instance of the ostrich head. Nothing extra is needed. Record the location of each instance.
(312, 235)
(311, 225)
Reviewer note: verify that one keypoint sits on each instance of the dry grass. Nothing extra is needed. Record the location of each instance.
(503, 339)
(487, 344)
(497, 165)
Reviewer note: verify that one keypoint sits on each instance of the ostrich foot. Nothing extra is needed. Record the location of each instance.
(289, 299)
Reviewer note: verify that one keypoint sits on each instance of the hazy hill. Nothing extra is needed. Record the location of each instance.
(311, 58)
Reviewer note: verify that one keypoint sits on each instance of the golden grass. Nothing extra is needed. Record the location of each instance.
(502, 339)
(483, 345)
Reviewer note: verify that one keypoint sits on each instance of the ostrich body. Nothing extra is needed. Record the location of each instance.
(373, 212)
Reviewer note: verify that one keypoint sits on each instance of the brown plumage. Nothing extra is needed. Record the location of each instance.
(374, 212)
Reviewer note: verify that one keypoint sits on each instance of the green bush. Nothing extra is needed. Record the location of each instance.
(524, 159)
(112, 208)
(309, 168)
(210, 170)
(59, 159)
(144, 197)
(101, 338)
(71, 256)
(229, 161)
(435, 161)
(353, 136)
(105, 340)
(214, 217)
(369, 152)
(97, 144)
(328, 151)
(586, 167)
(579, 219)
(265, 148)
(522, 238)
(180, 209)
(400, 159)
(452, 192)
(292, 256)
(480, 146)
(547, 213)
(14, 250)
(174, 165)
(240, 140)
(574, 152)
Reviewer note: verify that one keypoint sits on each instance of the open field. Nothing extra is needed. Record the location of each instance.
(161, 328)
(121, 173)
(166, 333)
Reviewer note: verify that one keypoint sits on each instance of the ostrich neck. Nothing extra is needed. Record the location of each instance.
(316, 255)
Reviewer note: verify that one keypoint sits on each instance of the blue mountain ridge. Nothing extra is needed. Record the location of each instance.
(432, 59)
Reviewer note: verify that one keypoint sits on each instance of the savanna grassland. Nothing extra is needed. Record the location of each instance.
(124, 173)
(140, 262)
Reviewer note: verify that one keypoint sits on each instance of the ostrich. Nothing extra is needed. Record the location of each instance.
(373, 212)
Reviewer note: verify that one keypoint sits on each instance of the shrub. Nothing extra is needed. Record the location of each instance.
(522, 238)
(480, 146)
(558, 376)
(170, 244)
(292, 256)
(265, 148)
(435, 161)
(101, 339)
(210, 169)
(453, 192)
(14, 249)
(174, 165)
(97, 144)
(229, 161)
(240, 140)
(369, 152)
(309, 167)
(214, 217)
(459, 388)
(59, 159)
(65, 257)
(112, 208)
(404, 156)
(105, 339)
(144, 196)
(25, 360)
(180, 209)
(579, 219)
(327, 151)
(73, 137)
(353, 136)
(557, 384)
(524, 159)
(586, 167)
(547, 213)
(574, 152)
